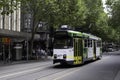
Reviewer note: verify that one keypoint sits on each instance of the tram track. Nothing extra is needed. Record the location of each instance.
(41, 72)
(65, 72)
(59, 73)
(36, 75)
(22, 70)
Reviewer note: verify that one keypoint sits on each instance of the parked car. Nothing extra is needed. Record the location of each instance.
(110, 49)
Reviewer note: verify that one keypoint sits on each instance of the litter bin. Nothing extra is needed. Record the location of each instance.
(18, 52)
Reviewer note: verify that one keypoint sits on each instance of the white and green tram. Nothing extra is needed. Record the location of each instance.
(73, 47)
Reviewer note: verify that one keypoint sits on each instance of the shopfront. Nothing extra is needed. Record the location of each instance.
(5, 48)
(14, 45)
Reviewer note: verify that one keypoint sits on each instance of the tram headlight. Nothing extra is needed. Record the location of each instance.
(55, 56)
(64, 56)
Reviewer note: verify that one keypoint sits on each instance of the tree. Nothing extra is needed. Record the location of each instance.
(96, 19)
(114, 7)
(94, 11)
(114, 19)
(40, 11)
(71, 12)
(54, 13)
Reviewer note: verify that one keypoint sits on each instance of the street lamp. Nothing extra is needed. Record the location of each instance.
(28, 26)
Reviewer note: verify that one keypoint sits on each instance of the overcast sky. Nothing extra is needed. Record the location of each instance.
(104, 5)
(103, 2)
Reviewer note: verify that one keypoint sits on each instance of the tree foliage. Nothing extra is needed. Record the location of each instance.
(71, 12)
(115, 13)
(114, 19)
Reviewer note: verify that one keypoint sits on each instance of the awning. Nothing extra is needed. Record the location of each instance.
(16, 34)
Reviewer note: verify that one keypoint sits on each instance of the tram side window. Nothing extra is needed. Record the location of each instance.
(89, 43)
(86, 43)
(98, 43)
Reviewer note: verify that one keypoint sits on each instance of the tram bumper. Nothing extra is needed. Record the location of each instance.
(58, 61)
(63, 61)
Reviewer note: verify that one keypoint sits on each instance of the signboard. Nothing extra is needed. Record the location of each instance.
(5, 40)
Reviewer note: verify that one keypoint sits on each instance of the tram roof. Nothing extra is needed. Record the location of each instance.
(85, 35)
(80, 34)
(74, 33)
(91, 36)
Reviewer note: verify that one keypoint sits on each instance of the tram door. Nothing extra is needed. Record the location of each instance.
(94, 47)
(78, 50)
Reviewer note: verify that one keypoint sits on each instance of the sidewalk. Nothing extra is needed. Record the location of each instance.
(42, 59)
(112, 53)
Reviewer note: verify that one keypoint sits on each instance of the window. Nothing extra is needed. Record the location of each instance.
(86, 43)
(63, 43)
(89, 43)
(98, 43)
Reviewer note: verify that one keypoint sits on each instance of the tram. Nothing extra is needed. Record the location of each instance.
(73, 47)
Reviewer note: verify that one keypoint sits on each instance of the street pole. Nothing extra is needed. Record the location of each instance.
(9, 56)
(27, 40)
(3, 53)
(27, 49)
(27, 44)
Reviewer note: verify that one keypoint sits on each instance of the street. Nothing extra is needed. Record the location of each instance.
(108, 68)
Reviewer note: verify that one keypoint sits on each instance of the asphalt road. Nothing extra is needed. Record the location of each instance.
(108, 68)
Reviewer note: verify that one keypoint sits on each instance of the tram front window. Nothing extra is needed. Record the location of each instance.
(63, 43)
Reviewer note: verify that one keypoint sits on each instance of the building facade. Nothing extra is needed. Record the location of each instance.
(9, 32)
(12, 40)
(15, 33)
(12, 21)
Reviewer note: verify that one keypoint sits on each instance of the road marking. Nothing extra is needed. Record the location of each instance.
(25, 71)
(117, 76)
(59, 75)
(67, 74)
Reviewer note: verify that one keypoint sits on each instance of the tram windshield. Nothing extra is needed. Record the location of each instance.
(63, 43)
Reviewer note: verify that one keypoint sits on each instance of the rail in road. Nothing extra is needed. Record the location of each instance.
(20, 69)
